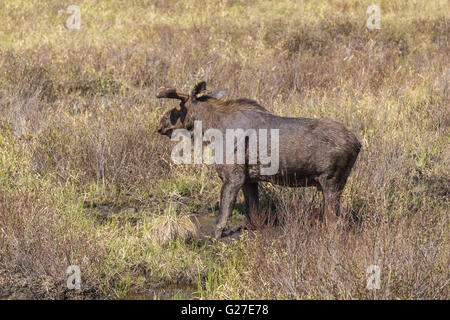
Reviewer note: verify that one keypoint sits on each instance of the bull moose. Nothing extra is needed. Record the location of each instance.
(311, 152)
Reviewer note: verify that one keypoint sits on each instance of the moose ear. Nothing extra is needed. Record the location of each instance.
(218, 93)
(200, 87)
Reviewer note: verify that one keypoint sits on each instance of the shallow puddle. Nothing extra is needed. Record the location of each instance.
(207, 225)
(169, 292)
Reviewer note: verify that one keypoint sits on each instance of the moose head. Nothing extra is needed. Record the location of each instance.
(181, 116)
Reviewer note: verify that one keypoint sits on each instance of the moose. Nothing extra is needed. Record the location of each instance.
(311, 152)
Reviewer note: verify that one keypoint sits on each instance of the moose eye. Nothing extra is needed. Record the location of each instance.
(178, 113)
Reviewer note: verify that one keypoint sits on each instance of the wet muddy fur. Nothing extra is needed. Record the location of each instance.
(312, 152)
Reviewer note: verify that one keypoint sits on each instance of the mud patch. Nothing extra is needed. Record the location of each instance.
(105, 211)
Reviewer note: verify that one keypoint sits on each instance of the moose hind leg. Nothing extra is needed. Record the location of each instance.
(331, 205)
(331, 200)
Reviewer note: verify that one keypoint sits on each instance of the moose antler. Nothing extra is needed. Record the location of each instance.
(171, 93)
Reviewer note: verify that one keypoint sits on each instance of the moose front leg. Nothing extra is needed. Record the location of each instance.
(228, 194)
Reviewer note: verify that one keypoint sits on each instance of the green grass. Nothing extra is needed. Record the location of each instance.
(85, 180)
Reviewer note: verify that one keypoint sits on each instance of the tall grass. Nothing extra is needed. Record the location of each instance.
(85, 180)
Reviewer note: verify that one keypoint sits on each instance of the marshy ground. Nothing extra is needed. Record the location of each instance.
(85, 180)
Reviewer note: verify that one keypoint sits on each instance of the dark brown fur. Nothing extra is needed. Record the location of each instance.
(229, 106)
(312, 152)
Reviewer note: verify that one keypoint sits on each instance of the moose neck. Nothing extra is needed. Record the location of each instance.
(205, 113)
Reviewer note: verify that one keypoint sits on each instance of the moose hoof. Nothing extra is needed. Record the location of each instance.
(218, 234)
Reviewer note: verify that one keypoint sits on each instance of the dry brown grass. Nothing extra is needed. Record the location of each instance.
(172, 226)
(318, 263)
(78, 116)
